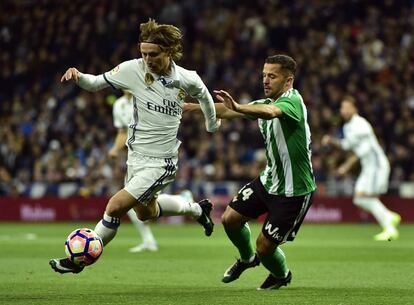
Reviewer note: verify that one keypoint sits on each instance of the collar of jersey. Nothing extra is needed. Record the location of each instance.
(172, 79)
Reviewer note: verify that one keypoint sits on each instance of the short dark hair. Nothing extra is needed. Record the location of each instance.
(349, 98)
(287, 63)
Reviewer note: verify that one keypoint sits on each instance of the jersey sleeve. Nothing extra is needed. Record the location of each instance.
(91, 82)
(355, 138)
(120, 77)
(290, 107)
(256, 102)
(199, 91)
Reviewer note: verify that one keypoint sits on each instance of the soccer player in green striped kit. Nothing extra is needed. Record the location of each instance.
(284, 189)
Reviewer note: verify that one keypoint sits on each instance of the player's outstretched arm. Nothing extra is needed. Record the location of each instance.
(88, 82)
(222, 112)
(328, 140)
(262, 111)
(348, 165)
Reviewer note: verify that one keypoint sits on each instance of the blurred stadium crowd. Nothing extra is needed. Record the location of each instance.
(52, 133)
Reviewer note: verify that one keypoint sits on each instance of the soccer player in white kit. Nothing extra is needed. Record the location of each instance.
(122, 117)
(359, 137)
(158, 86)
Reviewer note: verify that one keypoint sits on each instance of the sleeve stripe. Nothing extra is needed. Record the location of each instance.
(113, 87)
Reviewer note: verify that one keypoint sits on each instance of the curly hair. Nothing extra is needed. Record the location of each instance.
(167, 36)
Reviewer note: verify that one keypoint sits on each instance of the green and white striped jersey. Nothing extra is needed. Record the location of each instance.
(288, 148)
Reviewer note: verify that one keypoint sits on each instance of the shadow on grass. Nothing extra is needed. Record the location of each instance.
(137, 294)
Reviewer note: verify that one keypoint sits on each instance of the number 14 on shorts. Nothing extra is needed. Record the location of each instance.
(245, 192)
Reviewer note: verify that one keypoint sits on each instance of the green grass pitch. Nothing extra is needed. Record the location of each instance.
(331, 264)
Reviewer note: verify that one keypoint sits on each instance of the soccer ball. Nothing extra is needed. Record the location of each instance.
(83, 247)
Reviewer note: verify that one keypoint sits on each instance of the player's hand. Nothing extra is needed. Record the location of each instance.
(342, 170)
(227, 99)
(326, 140)
(71, 73)
(113, 153)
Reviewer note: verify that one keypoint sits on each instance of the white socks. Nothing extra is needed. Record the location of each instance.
(377, 209)
(177, 205)
(107, 228)
(169, 205)
(142, 228)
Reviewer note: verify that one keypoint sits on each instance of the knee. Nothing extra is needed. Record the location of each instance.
(359, 201)
(265, 246)
(225, 219)
(114, 208)
(120, 204)
(230, 219)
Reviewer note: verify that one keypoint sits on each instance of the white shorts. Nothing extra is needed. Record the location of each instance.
(373, 180)
(147, 176)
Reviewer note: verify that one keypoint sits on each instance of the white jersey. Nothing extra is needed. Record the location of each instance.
(122, 112)
(158, 105)
(360, 138)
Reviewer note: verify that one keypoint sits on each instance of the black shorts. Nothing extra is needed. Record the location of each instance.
(285, 214)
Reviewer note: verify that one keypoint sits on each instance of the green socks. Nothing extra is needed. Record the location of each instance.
(275, 263)
(241, 239)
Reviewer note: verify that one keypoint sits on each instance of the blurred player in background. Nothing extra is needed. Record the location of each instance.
(122, 115)
(158, 87)
(284, 189)
(359, 137)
